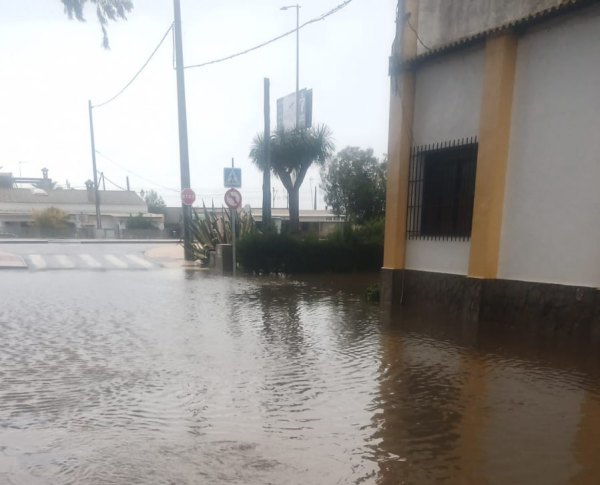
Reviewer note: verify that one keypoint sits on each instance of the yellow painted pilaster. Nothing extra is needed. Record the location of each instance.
(471, 430)
(587, 442)
(402, 105)
(494, 138)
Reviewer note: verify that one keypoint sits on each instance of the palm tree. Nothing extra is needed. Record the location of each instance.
(292, 154)
(106, 10)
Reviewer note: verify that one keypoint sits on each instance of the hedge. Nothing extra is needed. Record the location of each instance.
(282, 253)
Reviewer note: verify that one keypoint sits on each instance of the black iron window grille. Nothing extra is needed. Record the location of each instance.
(441, 189)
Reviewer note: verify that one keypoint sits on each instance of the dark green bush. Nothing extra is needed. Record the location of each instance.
(371, 232)
(282, 253)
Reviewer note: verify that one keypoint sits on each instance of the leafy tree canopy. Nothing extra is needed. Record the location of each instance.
(354, 183)
(155, 202)
(292, 154)
(106, 11)
(51, 218)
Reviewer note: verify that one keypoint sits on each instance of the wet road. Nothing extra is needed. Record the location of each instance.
(180, 377)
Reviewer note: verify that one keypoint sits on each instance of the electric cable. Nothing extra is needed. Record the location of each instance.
(410, 26)
(275, 39)
(137, 174)
(137, 73)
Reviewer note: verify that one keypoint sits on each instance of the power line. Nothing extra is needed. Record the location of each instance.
(137, 174)
(410, 26)
(275, 39)
(110, 181)
(137, 73)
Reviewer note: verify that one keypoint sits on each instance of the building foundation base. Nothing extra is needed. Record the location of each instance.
(536, 307)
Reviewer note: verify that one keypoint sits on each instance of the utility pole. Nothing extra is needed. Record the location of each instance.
(266, 211)
(184, 162)
(297, 66)
(96, 193)
(297, 7)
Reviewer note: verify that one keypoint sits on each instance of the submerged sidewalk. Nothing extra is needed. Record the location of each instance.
(170, 256)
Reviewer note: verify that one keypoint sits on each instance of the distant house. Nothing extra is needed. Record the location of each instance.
(18, 205)
(318, 222)
(493, 204)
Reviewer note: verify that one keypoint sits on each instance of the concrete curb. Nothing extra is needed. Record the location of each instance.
(89, 241)
(12, 261)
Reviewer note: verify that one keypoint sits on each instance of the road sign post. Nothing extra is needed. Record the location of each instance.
(233, 200)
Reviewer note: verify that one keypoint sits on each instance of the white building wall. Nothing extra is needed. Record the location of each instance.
(551, 224)
(447, 107)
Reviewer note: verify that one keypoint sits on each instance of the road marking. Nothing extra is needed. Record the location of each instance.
(139, 261)
(38, 261)
(90, 261)
(64, 261)
(112, 259)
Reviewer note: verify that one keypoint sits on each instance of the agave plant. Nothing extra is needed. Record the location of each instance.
(210, 229)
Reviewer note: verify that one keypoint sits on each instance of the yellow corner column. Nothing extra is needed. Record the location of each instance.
(494, 139)
(586, 441)
(402, 105)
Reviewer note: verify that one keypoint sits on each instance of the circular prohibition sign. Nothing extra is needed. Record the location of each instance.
(233, 199)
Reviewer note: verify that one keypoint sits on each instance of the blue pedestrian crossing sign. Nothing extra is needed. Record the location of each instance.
(232, 177)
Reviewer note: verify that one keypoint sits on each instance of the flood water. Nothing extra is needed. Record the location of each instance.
(174, 377)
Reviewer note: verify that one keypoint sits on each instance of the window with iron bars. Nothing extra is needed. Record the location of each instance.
(441, 189)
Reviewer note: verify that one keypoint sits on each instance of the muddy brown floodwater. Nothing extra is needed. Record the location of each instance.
(173, 377)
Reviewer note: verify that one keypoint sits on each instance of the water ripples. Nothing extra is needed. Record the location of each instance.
(188, 378)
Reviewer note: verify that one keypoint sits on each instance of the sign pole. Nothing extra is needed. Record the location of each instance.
(233, 199)
(233, 217)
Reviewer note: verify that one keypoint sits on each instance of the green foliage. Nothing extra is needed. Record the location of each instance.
(285, 254)
(292, 154)
(372, 232)
(354, 183)
(106, 10)
(52, 222)
(139, 222)
(51, 218)
(155, 202)
(210, 229)
(372, 294)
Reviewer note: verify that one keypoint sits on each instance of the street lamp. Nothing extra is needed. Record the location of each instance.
(297, 7)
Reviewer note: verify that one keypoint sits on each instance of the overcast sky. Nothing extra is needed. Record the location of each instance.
(50, 67)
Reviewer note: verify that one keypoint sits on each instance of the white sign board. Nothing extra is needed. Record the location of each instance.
(286, 110)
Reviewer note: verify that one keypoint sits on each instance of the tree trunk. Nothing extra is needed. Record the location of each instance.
(294, 197)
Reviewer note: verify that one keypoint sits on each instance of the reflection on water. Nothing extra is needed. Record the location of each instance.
(173, 377)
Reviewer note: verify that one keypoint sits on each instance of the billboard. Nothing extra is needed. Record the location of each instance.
(286, 110)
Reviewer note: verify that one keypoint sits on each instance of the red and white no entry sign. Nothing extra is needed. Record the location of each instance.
(233, 199)
(188, 196)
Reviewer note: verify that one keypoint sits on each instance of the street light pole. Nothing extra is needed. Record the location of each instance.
(297, 7)
(184, 161)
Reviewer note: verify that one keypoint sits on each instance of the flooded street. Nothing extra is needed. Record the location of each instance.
(185, 378)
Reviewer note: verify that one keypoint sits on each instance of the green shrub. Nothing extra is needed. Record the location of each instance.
(213, 228)
(282, 253)
(371, 232)
(139, 222)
